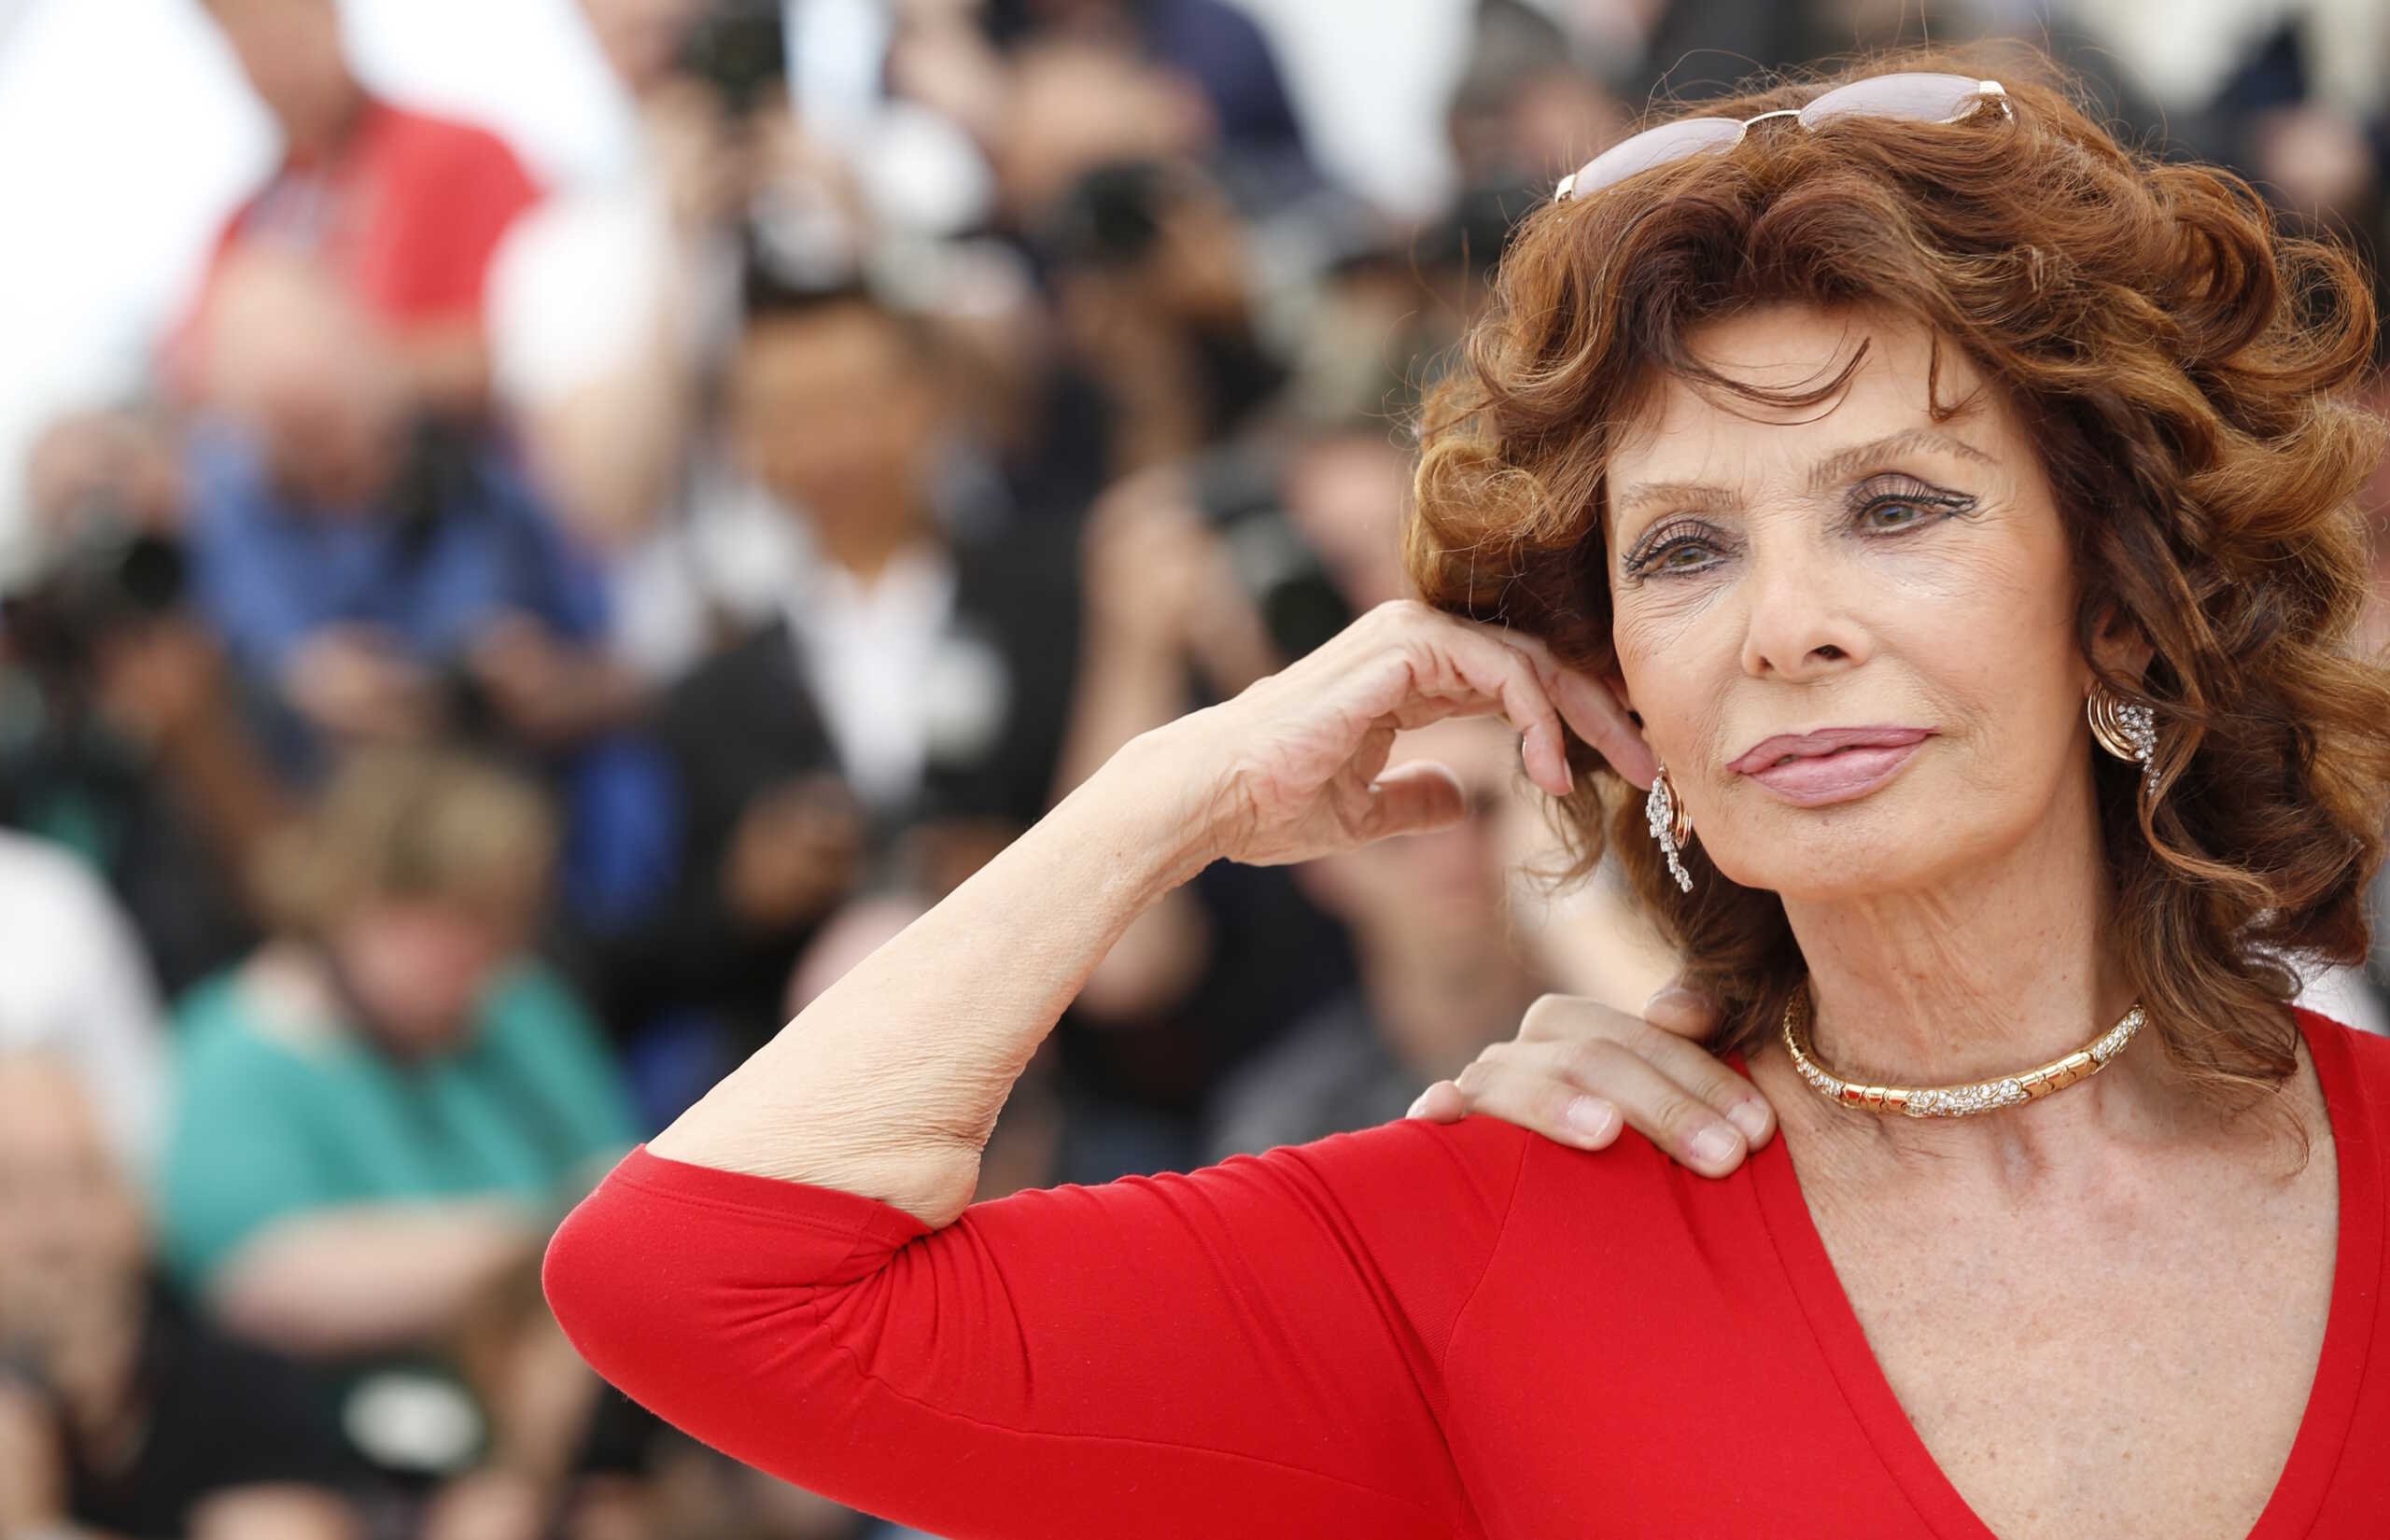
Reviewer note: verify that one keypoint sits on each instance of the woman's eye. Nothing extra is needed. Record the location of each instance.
(1897, 504)
(1893, 513)
(1685, 553)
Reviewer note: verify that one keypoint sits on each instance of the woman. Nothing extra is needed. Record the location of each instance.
(1826, 480)
(375, 1114)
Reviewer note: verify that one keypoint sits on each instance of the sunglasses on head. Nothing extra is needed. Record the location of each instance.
(1923, 98)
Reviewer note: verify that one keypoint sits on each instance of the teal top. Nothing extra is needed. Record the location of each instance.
(275, 1119)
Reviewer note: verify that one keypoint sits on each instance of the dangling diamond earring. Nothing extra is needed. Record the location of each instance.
(1670, 825)
(2126, 729)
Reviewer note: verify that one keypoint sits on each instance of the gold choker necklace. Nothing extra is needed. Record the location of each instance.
(1982, 1096)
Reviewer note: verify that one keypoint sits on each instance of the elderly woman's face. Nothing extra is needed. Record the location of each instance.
(1856, 574)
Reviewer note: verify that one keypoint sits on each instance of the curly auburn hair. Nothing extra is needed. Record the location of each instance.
(2189, 373)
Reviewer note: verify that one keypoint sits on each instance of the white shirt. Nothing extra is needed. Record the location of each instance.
(875, 658)
(79, 987)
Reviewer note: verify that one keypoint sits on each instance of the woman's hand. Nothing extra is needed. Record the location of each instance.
(1576, 1064)
(1290, 769)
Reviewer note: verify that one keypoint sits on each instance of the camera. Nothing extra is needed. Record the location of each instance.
(1238, 493)
(1112, 217)
(110, 575)
(740, 48)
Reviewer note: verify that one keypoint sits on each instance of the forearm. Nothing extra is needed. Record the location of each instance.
(237, 795)
(888, 1084)
(370, 1278)
(609, 449)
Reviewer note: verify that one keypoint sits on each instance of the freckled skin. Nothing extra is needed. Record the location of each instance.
(1792, 608)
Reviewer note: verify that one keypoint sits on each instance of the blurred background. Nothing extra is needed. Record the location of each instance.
(535, 532)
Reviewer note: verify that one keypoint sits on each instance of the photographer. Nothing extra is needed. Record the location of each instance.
(1200, 579)
(376, 575)
(1149, 270)
(120, 734)
(612, 304)
(901, 712)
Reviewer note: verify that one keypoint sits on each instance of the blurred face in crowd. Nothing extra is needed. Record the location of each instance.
(290, 51)
(1449, 883)
(124, 464)
(295, 360)
(834, 412)
(641, 38)
(1540, 117)
(71, 1233)
(420, 966)
(1197, 271)
(1346, 495)
(1077, 104)
(1849, 565)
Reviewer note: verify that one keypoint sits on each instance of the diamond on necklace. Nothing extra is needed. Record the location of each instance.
(1981, 1096)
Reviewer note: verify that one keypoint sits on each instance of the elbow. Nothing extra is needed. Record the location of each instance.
(592, 1293)
(705, 1295)
(701, 1336)
(661, 1322)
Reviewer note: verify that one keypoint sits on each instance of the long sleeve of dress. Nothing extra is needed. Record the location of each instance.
(1253, 1349)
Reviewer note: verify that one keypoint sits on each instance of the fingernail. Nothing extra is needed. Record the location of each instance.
(1591, 1116)
(1750, 1117)
(1676, 996)
(1416, 1105)
(1714, 1144)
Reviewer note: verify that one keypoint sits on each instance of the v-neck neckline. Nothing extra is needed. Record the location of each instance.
(2331, 1403)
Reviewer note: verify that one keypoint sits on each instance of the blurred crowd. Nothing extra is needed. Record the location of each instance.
(526, 640)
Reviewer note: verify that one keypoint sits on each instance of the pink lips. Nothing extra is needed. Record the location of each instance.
(1834, 765)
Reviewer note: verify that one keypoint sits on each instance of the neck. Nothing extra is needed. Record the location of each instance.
(317, 138)
(864, 543)
(1991, 974)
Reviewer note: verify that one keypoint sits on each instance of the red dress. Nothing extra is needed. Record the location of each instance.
(1419, 1331)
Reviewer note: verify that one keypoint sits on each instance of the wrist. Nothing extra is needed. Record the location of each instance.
(1166, 807)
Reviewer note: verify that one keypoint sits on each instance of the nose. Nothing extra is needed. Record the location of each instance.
(1798, 626)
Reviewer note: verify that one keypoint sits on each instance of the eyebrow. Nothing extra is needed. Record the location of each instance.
(1834, 467)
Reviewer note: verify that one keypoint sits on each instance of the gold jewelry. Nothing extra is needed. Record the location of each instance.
(1671, 825)
(1981, 1096)
(2126, 729)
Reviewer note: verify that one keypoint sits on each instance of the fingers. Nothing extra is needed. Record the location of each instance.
(1668, 1037)
(1685, 1063)
(1505, 673)
(1527, 1094)
(1684, 1011)
(1413, 798)
(1676, 1023)
(1489, 668)
(1673, 1116)
(1577, 1066)
(1590, 710)
(1443, 1102)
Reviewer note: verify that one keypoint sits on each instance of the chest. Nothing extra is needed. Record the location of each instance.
(374, 1131)
(2136, 1366)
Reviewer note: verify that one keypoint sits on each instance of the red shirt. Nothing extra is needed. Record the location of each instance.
(408, 209)
(1419, 1331)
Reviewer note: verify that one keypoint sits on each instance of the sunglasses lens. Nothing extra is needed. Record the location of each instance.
(1926, 98)
(1652, 148)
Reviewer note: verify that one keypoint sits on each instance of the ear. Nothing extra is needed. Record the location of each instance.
(2120, 645)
